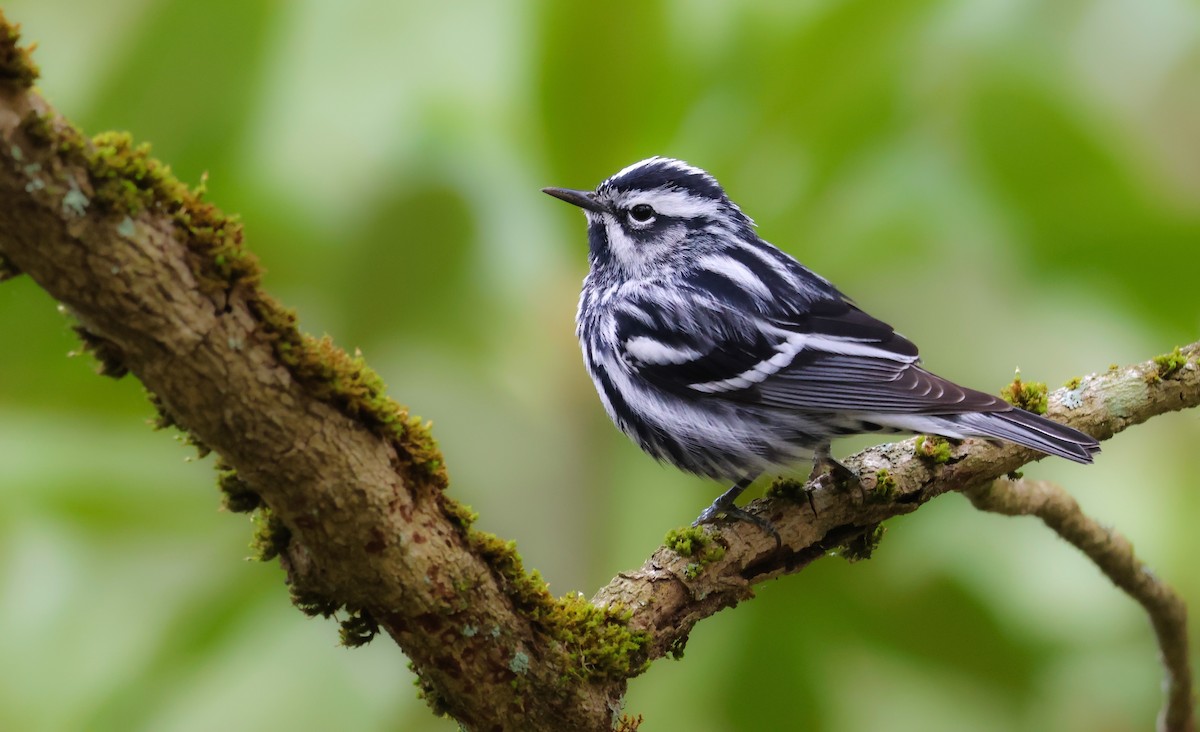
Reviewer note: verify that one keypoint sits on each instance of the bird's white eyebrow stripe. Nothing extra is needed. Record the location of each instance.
(735, 272)
(672, 202)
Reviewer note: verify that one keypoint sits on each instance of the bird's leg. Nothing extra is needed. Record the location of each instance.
(724, 505)
(840, 475)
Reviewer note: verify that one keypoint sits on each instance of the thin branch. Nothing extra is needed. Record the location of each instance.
(1113, 554)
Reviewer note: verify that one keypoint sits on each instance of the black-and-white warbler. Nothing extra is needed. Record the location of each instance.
(717, 352)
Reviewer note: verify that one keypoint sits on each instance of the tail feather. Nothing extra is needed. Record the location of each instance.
(1029, 430)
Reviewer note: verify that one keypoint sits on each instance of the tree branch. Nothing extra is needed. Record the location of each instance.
(162, 288)
(671, 592)
(1113, 554)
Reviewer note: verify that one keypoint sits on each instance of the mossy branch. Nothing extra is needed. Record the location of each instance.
(351, 489)
(1113, 554)
(669, 596)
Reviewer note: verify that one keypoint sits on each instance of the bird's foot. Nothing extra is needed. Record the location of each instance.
(830, 472)
(724, 506)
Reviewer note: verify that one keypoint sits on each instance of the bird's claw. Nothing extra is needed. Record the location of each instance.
(713, 512)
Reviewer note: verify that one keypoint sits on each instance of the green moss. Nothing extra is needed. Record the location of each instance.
(126, 180)
(41, 131)
(528, 591)
(163, 417)
(593, 642)
(685, 541)
(933, 449)
(8, 270)
(460, 514)
(694, 542)
(347, 382)
(1073, 383)
(1167, 364)
(271, 536)
(788, 489)
(677, 647)
(596, 642)
(314, 604)
(16, 66)
(425, 690)
(202, 450)
(864, 545)
(628, 724)
(236, 495)
(885, 486)
(110, 361)
(1030, 396)
(358, 630)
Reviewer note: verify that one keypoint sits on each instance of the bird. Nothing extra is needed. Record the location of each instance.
(719, 353)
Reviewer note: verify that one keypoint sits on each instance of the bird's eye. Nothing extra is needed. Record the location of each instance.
(641, 213)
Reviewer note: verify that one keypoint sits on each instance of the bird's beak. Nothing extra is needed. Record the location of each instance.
(583, 199)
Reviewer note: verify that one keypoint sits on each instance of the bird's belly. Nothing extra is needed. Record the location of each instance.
(714, 437)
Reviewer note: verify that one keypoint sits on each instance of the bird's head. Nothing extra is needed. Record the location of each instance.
(654, 215)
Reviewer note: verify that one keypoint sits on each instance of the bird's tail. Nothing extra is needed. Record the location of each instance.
(1029, 430)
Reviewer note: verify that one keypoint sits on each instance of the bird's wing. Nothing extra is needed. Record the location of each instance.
(821, 355)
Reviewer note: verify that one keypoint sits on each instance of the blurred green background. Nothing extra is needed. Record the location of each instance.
(1009, 182)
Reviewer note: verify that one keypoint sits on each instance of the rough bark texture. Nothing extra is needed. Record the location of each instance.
(370, 526)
